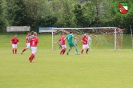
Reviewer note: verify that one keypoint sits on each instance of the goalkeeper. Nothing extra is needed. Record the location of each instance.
(70, 43)
(89, 42)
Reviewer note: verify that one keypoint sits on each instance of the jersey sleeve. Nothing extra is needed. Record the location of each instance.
(29, 38)
(37, 40)
(73, 36)
(18, 40)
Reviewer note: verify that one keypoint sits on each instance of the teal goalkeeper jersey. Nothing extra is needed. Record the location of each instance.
(30, 37)
(69, 38)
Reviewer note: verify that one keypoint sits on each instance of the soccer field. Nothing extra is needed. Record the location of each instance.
(104, 68)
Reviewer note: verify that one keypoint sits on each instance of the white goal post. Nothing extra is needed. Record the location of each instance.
(114, 32)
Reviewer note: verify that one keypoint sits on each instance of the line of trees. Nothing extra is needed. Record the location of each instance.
(61, 13)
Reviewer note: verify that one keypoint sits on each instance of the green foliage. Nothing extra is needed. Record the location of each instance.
(47, 21)
(78, 12)
(3, 21)
(62, 13)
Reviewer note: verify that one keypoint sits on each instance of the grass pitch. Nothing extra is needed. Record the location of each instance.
(98, 69)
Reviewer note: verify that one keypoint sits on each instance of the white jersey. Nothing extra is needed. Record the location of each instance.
(89, 40)
(76, 42)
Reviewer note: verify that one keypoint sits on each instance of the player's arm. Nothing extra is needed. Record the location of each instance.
(76, 38)
(37, 40)
(18, 42)
(73, 36)
(82, 40)
(11, 42)
(28, 38)
(64, 38)
(58, 41)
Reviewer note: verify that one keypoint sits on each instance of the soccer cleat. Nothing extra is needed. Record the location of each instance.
(21, 52)
(67, 53)
(77, 53)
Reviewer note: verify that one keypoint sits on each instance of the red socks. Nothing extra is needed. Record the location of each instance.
(14, 51)
(31, 57)
(87, 50)
(62, 51)
(24, 50)
(82, 51)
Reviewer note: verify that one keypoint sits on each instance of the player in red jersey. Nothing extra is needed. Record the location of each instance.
(27, 42)
(15, 42)
(33, 44)
(63, 44)
(85, 44)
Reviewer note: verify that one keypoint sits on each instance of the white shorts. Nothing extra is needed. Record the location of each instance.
(27, 45)
(85, 46)
(33, 50)
(14, 46)
(64, 46)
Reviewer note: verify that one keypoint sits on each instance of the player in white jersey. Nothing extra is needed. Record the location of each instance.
(89, 41)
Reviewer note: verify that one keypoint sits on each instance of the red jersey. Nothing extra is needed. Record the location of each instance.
(14, 40)
(63, 40)
(34, 41)
(27, 36)
(84, 40)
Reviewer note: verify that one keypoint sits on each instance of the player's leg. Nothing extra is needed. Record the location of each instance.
(16, 46)
(27, 46)
(13, 48)
(33, 50)
(69, 49)
(87, 48)
(83, 47)
(76, 49)
(61, 52)
(63, 49)
(90, 47)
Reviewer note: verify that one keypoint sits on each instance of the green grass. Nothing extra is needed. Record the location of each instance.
(104, 68)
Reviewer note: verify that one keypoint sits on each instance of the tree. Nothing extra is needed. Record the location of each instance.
(3, 21)
(17, 13)
(78, 12)
(88, 14)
